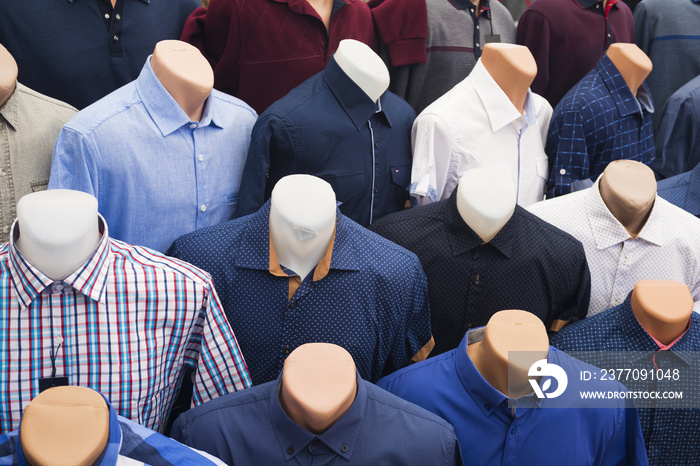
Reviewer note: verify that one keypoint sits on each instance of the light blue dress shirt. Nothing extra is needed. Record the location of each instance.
(156, 174)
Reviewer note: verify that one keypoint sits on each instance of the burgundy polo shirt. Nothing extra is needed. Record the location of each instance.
(262, 49)
(568, 37)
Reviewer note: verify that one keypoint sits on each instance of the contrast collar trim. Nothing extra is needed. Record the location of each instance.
(10, 111)
(90, 279)
(321, 269)
(144, 1)
(464, 4)
(586, 4)
(627, 103)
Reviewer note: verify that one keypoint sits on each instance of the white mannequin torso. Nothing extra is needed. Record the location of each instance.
(363, 66)
(485, 200)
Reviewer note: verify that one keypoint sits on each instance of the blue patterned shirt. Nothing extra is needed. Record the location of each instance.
(672, 436)
(682, 190)
(599, 120)
(373, 302)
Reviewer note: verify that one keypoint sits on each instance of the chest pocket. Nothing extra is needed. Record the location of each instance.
(401, 174)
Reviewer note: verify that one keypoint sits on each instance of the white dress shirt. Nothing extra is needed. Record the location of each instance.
(666, 248)
(476, 125)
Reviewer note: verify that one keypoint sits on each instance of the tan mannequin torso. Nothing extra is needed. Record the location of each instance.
(631, 62)
(8, 75)
(185, 74)
(65, 426)
(628, 189)
(510, 330)
(324, 9)
(513, 68)
(663, 308)
(319, 384)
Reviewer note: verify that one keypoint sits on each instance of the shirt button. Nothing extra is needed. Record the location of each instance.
(487, 406)
(376, 143)
(290, 450)
(203, 208)
(201, 158)
(344, 448)
(286, 349)
(106, 15)
(116, 38)
(477, 44)
(376, 189)
(193, 126)
(2, 172)
(562, 171)
(292, 304)
(478, 279)
(5, 229)
(315, 442)
(323, 44)
(477, 27)
(118, 16)
(515, 429)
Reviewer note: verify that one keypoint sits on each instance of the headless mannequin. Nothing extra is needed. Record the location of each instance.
(513, 68)
(185, 74)
(324, 8)
(8, 75)
(628, 189)
(485, 201)
(631, 62)
(302, 221)
(65, 426)
(510, 330)
(319, 384)
(663, 308)
(58, 230)
(363, 66)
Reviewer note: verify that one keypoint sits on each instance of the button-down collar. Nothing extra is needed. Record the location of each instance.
(9, 111)
(340, 437)
(89, 279)
(357, 105)
(608, 231)
(162, 107)
(626, 102)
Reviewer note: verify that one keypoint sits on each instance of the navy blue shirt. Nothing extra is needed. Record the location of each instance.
(672, 436)
(373, 302)
(495, 430)
(328, 127)
(251, 427)
(599, 120)
(529, 265)
(682, 190)
(78, 51)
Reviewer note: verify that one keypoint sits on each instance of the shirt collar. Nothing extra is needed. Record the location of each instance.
(320, 271)
(255, 241)
(293, 438)
(305, 8)
(608, 231)
(627, 103)
(165, 112)
(10, 111)
(109, 455)
(499, 108)
(586, 4)
(357, 105)
(464, 4)
(89, 279)
(144, 1)
(463, 239)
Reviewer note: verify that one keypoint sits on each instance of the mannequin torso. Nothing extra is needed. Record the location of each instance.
(628, 189)
(631, 62)
(302, 221)
(513, 68)
(318, 386)
(185, 74)
(363, 66)
(663, 308)
(8, 75)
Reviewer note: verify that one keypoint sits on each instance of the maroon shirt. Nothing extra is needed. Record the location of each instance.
(568, 37)
(262, 49)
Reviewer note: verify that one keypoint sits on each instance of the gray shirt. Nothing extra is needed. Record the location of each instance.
(29, 125)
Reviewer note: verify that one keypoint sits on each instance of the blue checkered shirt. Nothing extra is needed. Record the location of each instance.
(599, 120)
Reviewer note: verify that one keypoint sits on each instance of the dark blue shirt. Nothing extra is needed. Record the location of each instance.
(494, 430)
(672, 436)
(678, 137)
(599, 120)
(529, 265)
(682, 190)
(373, 302)
(251, 427)
(78, 51)
(328, 127)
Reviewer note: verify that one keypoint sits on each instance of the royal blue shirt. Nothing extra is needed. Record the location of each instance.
(682, 190)
(251, 427)
(78, 51)
(493, 430)
(671, 434)
(328, 127)
(599, 120)
(373, 302)
(155, 173)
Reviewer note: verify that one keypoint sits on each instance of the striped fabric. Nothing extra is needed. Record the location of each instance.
(127, 324)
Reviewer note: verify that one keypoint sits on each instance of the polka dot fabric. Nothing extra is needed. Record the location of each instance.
(373, 302)
(529, 265)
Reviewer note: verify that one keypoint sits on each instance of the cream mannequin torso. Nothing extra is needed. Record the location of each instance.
(363, 66)
(58, 230)
(65, 426)
(513, 68)
(8, 75)
(185, 74)
(508, 331)
(663, 308)
(302, 221)
(485, 200)
(319, 384)
(631, 62)
(628, 189)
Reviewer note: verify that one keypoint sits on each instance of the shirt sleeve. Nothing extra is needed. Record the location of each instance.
(580, 291)
(432, 150)
(214, 354)
(627, 444)
(567, 151)
(73, 164)
(677, 150)
(642, 34)
(534, 33)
